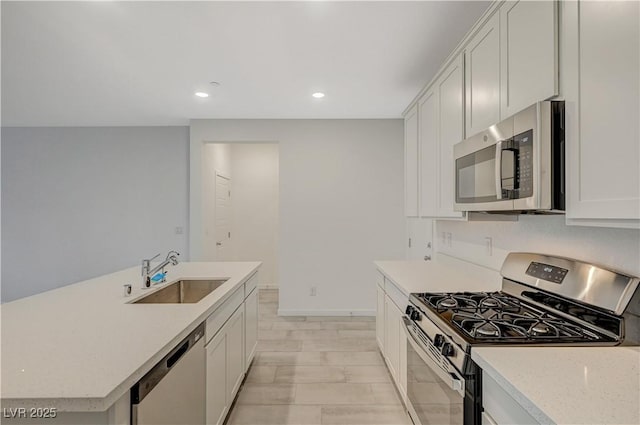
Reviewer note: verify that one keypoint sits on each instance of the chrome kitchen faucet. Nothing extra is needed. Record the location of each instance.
(148, 273)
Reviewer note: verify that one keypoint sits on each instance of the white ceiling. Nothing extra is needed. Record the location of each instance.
(139, 63)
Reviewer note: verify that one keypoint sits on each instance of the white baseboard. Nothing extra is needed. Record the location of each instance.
(267, 286)
(346, 313)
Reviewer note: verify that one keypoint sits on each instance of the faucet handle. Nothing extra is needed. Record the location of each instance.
(152, 258)
(146, 264)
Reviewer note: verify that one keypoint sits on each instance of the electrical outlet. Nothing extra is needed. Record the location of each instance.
(313, 291)
(180, 230)
(488, 245)
(449, 237)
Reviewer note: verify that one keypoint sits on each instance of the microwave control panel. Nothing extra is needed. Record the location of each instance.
(524, 177)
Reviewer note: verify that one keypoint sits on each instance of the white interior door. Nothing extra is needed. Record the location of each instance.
(223, 217)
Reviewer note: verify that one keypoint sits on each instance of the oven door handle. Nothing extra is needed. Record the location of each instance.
(454, 381)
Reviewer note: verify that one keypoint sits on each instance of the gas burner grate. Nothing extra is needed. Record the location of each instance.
(480, 327)
(472, 302)
(510, 326)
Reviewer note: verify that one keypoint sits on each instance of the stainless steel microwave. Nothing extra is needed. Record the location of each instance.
(516, 165)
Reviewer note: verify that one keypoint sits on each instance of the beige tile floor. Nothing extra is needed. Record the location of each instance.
(316, 370)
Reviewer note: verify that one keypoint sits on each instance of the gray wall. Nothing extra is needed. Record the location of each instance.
(341, 205)
(81, 202)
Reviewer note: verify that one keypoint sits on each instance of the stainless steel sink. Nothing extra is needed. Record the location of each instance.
(182, 292)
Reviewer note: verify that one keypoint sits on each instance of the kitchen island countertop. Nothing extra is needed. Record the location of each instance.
(81, 347)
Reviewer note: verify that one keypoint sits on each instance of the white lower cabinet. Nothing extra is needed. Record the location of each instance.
(392, 337)
(251, 326)
(389, 327)
(225, 367)
(235, 353)
(216, 399)
(402, 365)
(380, 318)
(231, 343)
(499, 407)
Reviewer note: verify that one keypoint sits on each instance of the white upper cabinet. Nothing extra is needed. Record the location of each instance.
(440, 125)
(601, 85)
(450, 89)
(529, 54)
(428, 148)
(482, 77)
(411, 163)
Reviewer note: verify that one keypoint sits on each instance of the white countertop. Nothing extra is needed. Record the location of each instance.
(560, 385)
(81, 347)
(442, 274)
(568, 385)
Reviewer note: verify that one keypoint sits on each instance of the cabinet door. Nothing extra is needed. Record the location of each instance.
(251, 326)
(235, 352)
(451, 131)
(216, 393)
(428, 141)
(601, 64)
(411, 163)
(528, 53)
(402, 363)
(392, 337)
(380, 318)
(499, 406)
(482, 76)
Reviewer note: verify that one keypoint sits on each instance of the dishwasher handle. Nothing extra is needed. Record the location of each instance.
(178, 353)
(148, 382)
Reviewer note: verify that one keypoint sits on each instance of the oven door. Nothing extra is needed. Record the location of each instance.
(435, 390)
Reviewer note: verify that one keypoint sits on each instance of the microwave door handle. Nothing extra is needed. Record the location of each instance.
(454, 381)
(498, 170)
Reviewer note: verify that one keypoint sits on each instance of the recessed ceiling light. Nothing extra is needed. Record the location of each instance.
(202, 94)
(318, 95)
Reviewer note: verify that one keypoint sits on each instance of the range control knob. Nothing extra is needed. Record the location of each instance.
(408, 310)
(447, 349)
(438, 340)
(415, 315)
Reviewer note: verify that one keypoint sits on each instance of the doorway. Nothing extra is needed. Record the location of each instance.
(222, 217)
(240, 205)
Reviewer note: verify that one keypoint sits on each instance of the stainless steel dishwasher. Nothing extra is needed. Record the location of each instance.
(173, 392)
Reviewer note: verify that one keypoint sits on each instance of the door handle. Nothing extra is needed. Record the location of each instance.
(218, 243)
(498, 170)
(449, 377)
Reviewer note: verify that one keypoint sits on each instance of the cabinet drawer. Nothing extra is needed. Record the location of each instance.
(380, 279)
(250, 284)
(222, 314)
(500, 407)
(396, 295)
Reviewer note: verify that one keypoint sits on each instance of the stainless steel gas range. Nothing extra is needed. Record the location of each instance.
(544, 300)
